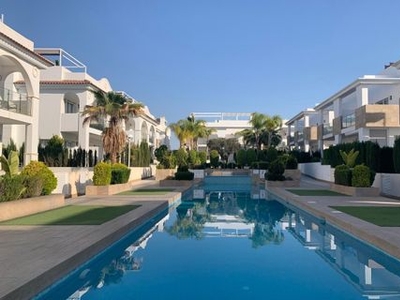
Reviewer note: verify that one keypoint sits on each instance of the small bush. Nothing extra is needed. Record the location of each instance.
(361, 176)
(102, 174)
(343, 175)
(275, 171)
(291, 163)
(39, 168)
(120, 173)
(184, 175)
(33, 186)
(214, 158)
(11, 188)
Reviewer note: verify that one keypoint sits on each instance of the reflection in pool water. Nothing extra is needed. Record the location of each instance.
(231, 243)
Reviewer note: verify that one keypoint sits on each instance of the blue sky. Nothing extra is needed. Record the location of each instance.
(183, 56)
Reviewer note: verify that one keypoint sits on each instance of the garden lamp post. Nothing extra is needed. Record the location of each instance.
(130, 136)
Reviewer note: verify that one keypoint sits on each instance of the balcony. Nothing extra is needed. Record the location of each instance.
(310, 133)
(376, 115)
(15, 102)
(327, 129)
(349, 120)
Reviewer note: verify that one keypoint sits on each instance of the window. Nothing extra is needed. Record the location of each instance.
(70, 107)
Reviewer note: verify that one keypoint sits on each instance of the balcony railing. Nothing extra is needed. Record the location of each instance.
(15, 102)
(327, 129)
(349, 120)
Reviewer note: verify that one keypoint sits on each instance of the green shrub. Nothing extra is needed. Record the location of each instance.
(343, 175)
(361, 176)
(33, 186)
(241, 158)
(214, 158)
(291, 163)
(203, 157)
(396, 155)
(184, 175)
(251, 156)
(275, 171)
(11, 188)
(119, 173)
(39, 168)
(102, 174)
(181, 157)
(168, 161)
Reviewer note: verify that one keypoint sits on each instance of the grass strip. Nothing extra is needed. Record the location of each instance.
(315, 192)
(147, 192)
(73, 215)
(383, 216)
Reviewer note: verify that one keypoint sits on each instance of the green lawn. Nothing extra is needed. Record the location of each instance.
(73, 215)
(314, 192)
(379, 215)
(142, 192)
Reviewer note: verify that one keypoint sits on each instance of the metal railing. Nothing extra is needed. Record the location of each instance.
(349, 120)
(15, 102)
(327, 129)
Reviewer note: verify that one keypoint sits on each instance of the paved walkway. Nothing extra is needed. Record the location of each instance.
(33, 257)
(384, 238)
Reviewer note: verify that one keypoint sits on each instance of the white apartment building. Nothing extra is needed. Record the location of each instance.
(38, 104)
(20, 107)
(226, 125)
(365, 110)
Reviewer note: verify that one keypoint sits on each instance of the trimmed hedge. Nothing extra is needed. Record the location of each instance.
(343, 175)
(275, 171)
(291, 163)
(184, 175)
(361, 176)
(120, 173)
(102, 174)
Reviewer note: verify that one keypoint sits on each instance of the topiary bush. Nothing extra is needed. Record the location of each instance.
(361, 176)
(343, 175)
(275, 171)
(102, 174)
(291, 163)
(39, 168)
(119, 173)
(214, 158)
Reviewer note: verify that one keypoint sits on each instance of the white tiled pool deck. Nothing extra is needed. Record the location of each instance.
(32, 257)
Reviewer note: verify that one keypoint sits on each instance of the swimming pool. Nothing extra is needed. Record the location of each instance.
(226, 241)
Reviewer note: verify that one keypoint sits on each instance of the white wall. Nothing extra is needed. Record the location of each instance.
(318, 171)
(73, 181)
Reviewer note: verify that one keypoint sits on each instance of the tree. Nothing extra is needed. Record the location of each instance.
(263, 131)
(189, 130)
(116, 109)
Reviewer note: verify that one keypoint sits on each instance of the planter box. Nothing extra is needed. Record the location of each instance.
(355, 191)
(295, 174)
(161, 174)
(105, 190)
(19, 208)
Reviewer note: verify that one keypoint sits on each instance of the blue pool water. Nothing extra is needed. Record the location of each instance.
(226, 241)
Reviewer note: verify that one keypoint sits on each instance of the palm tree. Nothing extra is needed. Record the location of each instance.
(116, 109)
(189, 130)
(180, 129)
(262, 131)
